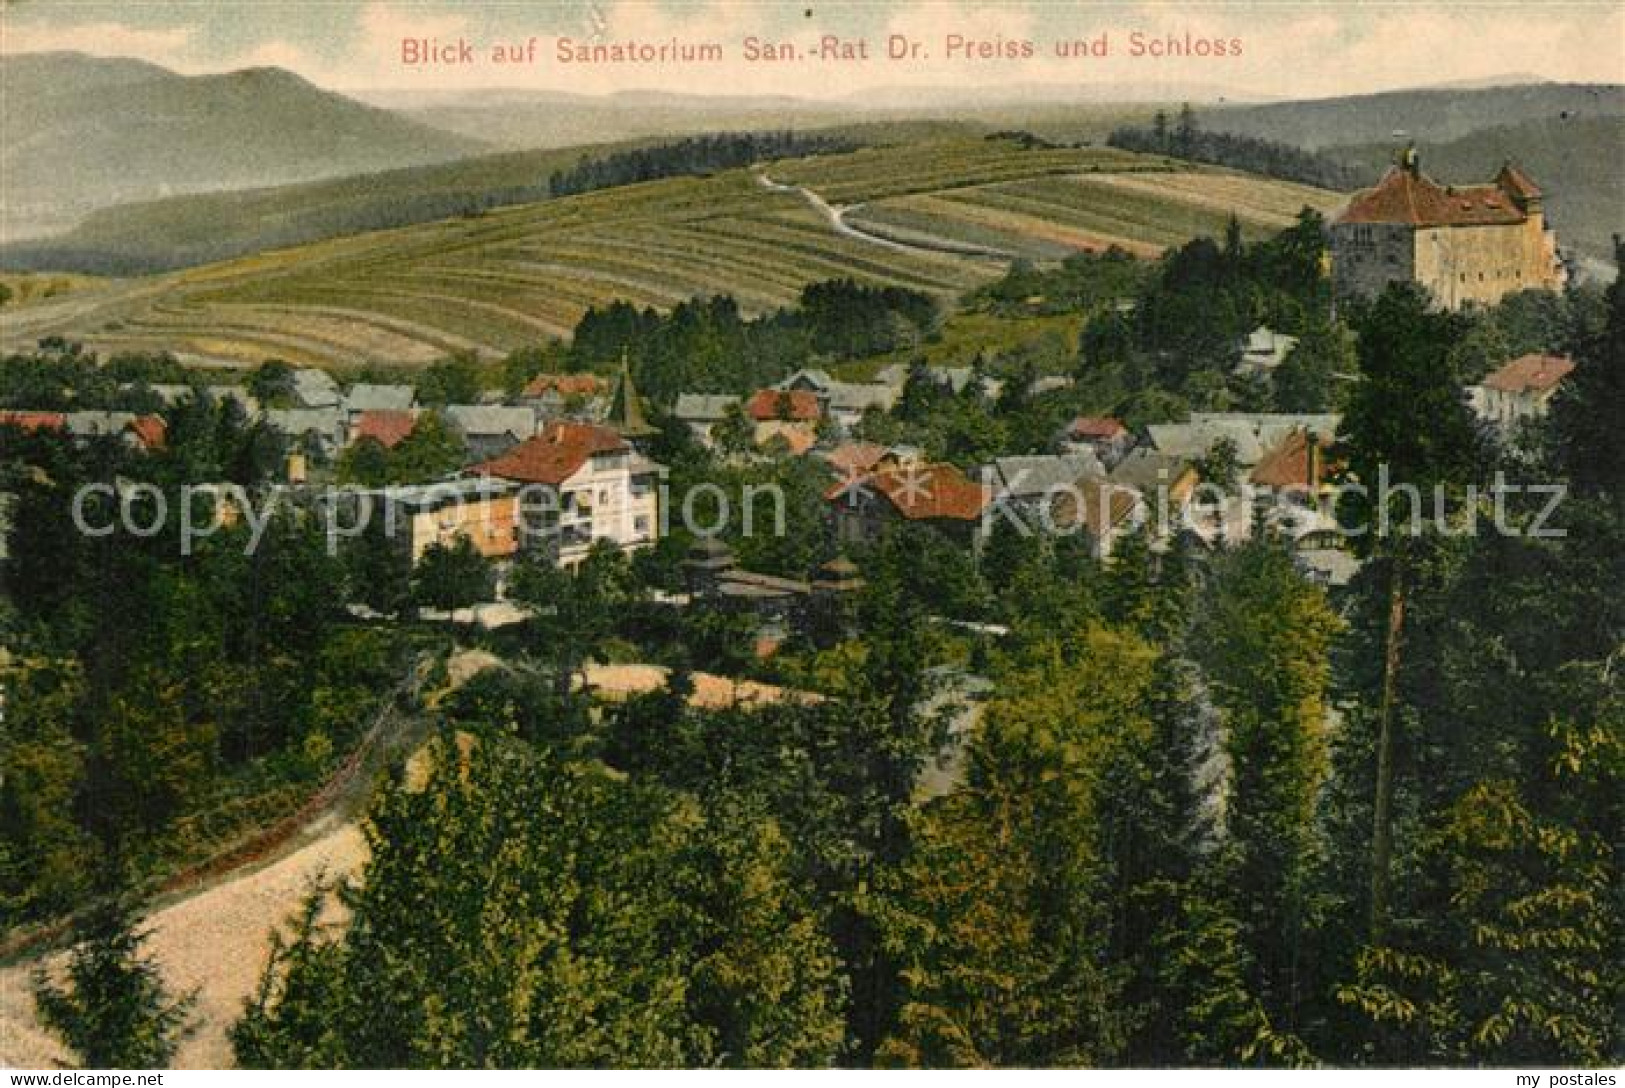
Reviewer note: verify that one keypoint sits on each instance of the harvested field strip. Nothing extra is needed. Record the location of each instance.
(913, 226)
(313, 331)
(1276, 202)
(577, 286)
(810, 263)
(866, 261)
(486, 323)
(1115, 222)
(407, 330)
(1030, 226)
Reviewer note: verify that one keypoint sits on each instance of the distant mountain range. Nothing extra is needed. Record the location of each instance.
(107, 161)
(1433, 114)
(84, 132)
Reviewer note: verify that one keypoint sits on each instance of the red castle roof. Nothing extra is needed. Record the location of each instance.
(1411, 197)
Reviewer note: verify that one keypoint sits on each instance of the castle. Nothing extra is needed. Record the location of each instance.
(1464, 244)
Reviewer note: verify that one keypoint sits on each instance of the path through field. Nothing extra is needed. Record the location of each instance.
(837, 219)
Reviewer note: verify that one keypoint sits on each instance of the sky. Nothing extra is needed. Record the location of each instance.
(1289, 48)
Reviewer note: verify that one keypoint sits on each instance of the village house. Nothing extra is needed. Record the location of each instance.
(142, 432)
(368, 397)
(1521, 390)
(1164, 482)
(554, 395)
(1264, 350)
(701, 412)
(316, 430)
(32, 422)
(1028, 484)
(1099, 509)
(491, 430)
(1292, 484)
(387, 427)
(790, 415)
(844, 403)
(953, 379)
(313, 388)
(1474, 243)
(906, 489)
(851, 459)
(481, 510)
(1107, 438)
(594, 487)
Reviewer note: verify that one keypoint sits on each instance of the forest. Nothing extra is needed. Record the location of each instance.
(1211, 813)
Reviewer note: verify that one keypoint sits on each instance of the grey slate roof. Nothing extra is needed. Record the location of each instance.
(1195, 439)
(856, 396)
(1146, 469)
(704, 407)
(327, 422)
(481, 419)
(807, 378)
(314, 388)
(90, 424)
(366, 397)
(1034, 476)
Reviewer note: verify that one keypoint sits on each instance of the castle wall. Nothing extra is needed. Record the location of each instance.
(1482, 264)
(1367, 257)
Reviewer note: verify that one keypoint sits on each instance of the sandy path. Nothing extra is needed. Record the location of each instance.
(215, 942)
(836, 216)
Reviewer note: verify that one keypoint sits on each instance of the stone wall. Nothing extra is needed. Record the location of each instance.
(1457, 264)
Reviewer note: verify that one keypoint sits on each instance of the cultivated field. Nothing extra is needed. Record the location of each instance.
(914, 215)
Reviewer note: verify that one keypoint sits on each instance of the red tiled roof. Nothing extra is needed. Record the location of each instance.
(1517, 183)
(1101, 427)
(851, 457)
(568, 385)
(1530, 373)
(800, 405)
(919, 491)
(387, 427)
(1411, 197)
(554, 455)
(797, 439)
(150, 431)
(34, 421)
(1289, 464)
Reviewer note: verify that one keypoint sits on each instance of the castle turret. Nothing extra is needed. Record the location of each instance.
(1524, 193)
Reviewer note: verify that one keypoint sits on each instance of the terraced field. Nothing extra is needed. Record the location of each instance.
(512, 277)
(1049, 217)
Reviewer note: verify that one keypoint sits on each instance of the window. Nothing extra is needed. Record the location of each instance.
(640, 525)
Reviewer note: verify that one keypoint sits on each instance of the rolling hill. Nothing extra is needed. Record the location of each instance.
(83, 133)
(506, 278)
(1435, 114)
